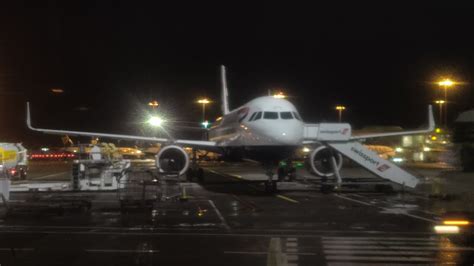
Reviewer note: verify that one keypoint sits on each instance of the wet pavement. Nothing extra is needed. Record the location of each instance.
(230, 220)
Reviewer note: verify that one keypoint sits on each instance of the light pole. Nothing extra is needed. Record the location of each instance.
(445, 84)
(339, 109)
(440, 102)
(204, 101)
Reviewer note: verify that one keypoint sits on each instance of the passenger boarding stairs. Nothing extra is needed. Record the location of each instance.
(339, 137)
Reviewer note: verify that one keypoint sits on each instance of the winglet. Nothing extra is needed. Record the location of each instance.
(28, 116)
(430, 128)
(431, 121)
(224, 92)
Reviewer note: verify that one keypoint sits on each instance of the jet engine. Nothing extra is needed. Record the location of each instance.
(172, 158)
(319, 161)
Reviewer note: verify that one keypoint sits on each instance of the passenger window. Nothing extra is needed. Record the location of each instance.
(297, 116)
(252, 116)
(286, 115)
(258, 116)
(270, 115)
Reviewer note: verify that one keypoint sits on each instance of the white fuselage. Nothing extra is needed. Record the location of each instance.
(264, 121)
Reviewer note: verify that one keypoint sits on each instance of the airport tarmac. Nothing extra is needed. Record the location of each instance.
(230, 220)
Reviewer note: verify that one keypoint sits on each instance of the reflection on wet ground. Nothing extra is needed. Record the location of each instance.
(226, 221)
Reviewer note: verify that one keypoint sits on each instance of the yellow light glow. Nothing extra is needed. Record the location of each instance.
(153, 104)
(456, 222)
(426, 149)
(440, 101)
(155, 121)
(446, 229)
(219, 118)
(57, 90)
(279, 95)
(340, 107)
(438, 130)
(434, 138)
(446, 83)
(306, 149)
(398, 149)
(204, 101)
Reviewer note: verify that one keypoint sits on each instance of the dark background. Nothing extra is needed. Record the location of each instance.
(112, 57)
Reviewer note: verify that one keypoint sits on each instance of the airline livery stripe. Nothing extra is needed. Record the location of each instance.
(378, 238)
(376, 252)
(363, 258)
(121, 251)
(355, 247)
(396, 243)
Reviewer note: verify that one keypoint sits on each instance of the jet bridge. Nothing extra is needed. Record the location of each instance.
(338, 137)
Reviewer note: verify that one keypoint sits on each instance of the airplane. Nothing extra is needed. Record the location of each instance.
(268, 130)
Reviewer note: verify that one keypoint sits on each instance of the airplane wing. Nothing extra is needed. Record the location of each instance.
(192, 143)
(430, 128)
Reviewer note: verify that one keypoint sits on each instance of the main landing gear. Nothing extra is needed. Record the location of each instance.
(194, 170)
(270, 184)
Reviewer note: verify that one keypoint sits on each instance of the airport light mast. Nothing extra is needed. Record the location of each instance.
(440, 102)
(446, 84)
(339, 109)
(204, 101)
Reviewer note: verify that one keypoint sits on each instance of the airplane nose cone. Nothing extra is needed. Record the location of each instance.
(289, 136)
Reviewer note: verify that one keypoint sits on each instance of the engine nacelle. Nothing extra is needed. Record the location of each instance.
(319, 161)
(172, 158)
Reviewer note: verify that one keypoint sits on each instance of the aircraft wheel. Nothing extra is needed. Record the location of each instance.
(327, 188)
(281, 173)
(189, 175)
(200, 175)
(292, 174)
(22, 174)
(270, 186)
(384, 188)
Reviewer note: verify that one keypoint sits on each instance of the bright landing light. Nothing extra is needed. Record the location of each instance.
(446, 229)
(155, 121)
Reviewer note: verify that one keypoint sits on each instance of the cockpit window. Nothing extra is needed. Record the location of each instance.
(258, 116)
(270, 115)
(252, 116)
(242, 118)
(286, 115)
(297, 116)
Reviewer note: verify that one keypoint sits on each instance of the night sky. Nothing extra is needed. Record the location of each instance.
(112, 57)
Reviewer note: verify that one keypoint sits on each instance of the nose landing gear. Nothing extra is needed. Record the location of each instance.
(270, 184)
